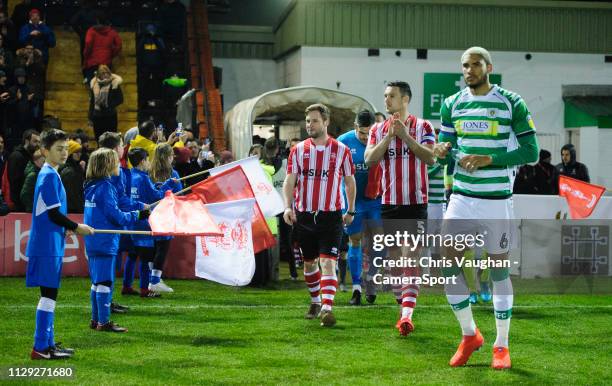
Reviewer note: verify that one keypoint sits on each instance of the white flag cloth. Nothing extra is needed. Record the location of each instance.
(228, 259)
(268, 198)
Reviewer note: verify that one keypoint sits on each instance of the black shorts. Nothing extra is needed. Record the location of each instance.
(344, 243)
(410, 218)
(318, 234)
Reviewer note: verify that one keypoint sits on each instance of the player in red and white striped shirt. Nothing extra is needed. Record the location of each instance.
(402, 145)
(316, 167)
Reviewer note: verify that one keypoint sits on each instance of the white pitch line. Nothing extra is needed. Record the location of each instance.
(291, 306)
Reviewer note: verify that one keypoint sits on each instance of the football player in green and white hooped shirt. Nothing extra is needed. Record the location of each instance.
(479, 123)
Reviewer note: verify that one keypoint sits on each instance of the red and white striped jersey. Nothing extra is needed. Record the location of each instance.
(319, 171)
(404, 176)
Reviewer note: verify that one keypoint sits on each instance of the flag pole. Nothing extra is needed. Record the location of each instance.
(193, 175)
(123, 232)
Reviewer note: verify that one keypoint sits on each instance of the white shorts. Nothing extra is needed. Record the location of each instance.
(435, 211)
(491, 218)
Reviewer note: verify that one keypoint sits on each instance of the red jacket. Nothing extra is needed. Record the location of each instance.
(102, 44)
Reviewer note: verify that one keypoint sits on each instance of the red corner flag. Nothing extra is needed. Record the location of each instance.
(581, 197)
(182, 216)
(231, 185)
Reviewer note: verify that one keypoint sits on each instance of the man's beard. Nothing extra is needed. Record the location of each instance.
(30, 149)
(315, 134)
(479, 83)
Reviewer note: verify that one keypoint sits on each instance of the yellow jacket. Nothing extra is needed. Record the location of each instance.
(144, 143)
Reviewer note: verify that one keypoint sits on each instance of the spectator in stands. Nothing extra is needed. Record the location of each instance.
(23, 104)
(29, 183)
(150, 55)
(145, 138)
(7, 70)
(3, 154)
(84, 141)
(72, 174)
(127, 138)
(41, 35)
(181, 162)
(105, 96)
(6, 55)
(570, 167)
(50, 121)
(17, 163)
(8, 31)
(546, 175)
(85, 18)
(206, 158)
(525, 182)
(20, 16)
(186, 163)
(172, 19)
(102, 45)
(31, 60)
(5, 97)
(226, 157)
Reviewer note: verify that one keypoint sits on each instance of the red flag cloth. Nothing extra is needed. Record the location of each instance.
(231, 185)
(581, 196)
(182, 216)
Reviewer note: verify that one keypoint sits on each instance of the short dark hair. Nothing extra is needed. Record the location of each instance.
(321, 108)
(28, 135)
(364, 118)
(402, 86)
(110, 140)
(49, 137)
(146, 129)
(137, 155)
(378, 113)
(295, 140)
(82, 135)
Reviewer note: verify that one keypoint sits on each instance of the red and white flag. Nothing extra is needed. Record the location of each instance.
(182, 216)
(268, 198)
(229, 185)
(228, 259)
(581, 196)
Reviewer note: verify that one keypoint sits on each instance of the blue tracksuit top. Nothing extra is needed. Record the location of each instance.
(102, 212)
(123, 184)
(144, 190)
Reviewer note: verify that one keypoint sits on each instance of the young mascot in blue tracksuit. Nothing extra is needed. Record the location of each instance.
(161, 172)
(123, 184)
(45, 249)
(145, 191)
(102, 212)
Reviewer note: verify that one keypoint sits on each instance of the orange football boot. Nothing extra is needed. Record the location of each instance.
(469, 344)
(501, 358)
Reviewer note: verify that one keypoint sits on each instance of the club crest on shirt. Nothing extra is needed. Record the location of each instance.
(491, 113)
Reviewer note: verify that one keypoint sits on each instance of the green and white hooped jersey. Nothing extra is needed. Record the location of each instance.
(436, 193)
(487, 125)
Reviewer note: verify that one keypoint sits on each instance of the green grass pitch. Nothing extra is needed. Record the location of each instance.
(210, 334)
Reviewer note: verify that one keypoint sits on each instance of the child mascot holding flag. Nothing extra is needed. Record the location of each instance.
(102, 212)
